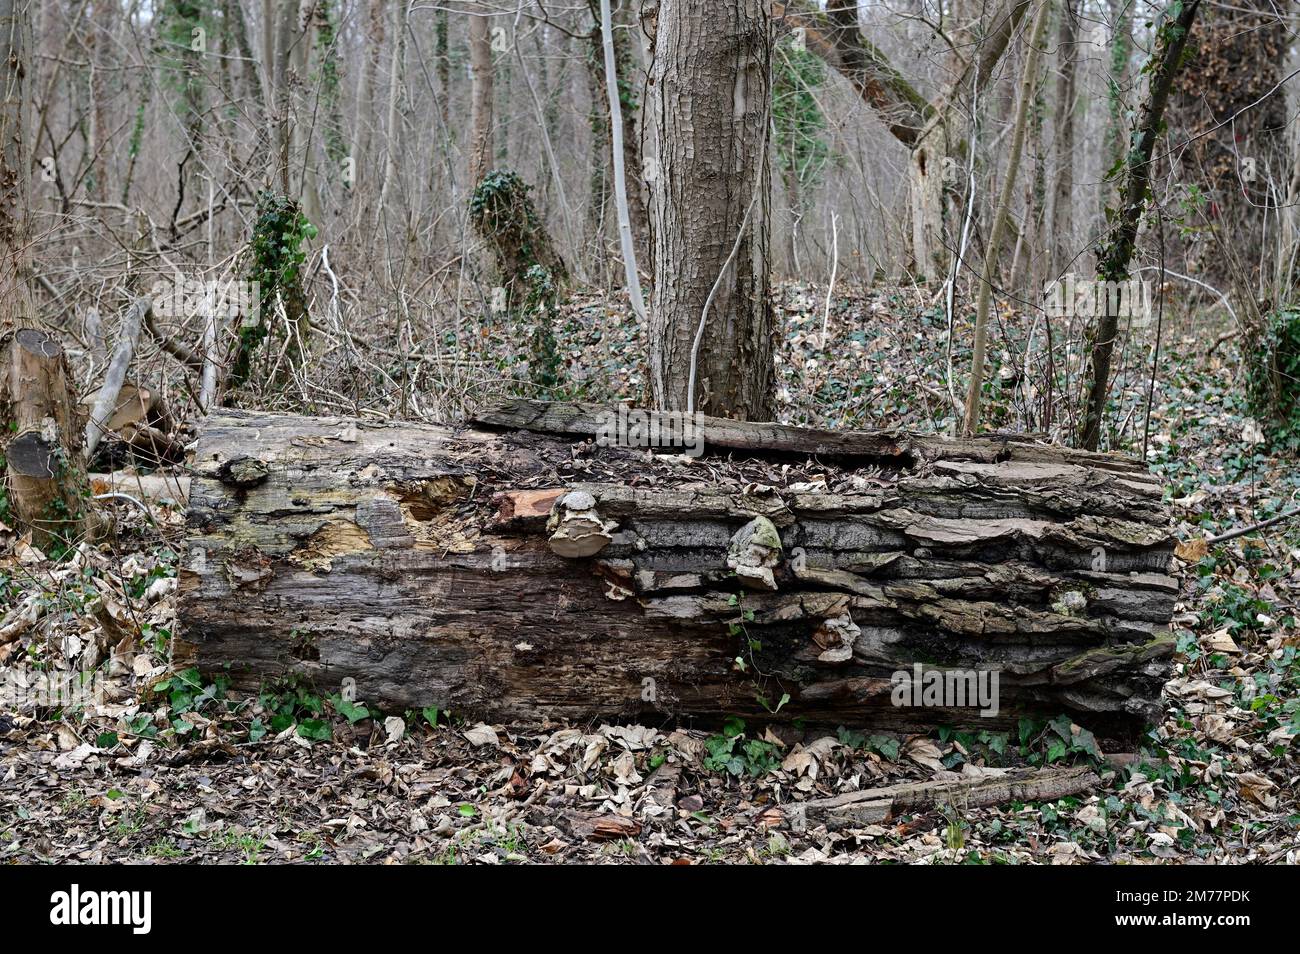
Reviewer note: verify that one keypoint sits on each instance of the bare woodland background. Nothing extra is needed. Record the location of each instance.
(152, 127)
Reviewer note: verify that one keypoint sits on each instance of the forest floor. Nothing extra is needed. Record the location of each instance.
(170, 767)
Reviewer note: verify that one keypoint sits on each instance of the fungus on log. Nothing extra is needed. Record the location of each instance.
(519, 569)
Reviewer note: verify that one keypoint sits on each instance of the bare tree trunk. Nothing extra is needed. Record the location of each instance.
(1063, 201)
(1119, 75)
(15, 39)
(598, 125)
(312, 116)
(364, 109)
(1113, 260)
(925, 188)
(233, 10)
(480, 71)
(105, 18)
(443, 55)
(396, 76)
(285, 23)
(626, 238)
(711, 320)
(971, 418)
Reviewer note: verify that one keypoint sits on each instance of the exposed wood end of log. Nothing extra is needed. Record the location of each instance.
(33, 454)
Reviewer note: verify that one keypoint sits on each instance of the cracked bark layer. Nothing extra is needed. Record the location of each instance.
(419, 560)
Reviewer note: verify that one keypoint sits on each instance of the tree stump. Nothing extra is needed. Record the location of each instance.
(41, 444)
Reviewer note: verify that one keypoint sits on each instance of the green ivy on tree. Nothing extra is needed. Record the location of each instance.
(531, 270)
(276, 256)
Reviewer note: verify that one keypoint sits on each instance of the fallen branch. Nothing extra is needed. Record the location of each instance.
(876, 805)
(160, 488)
(1261, 525)
(184, 355)
(115, 377)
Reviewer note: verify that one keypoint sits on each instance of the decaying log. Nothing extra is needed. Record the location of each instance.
(41, 439)
(520, 574)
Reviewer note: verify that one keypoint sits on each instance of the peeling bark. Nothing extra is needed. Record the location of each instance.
(420, 561)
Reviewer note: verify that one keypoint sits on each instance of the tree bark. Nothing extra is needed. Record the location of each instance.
(1066, 93)
(1228, 107)
(711, 319)
(626, 234)
(392, 130)
(516, 570)
(364, 109)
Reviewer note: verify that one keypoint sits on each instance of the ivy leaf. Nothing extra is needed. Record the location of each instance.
(317, 730)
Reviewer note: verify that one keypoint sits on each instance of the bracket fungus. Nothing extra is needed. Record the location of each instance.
(753, 552)
(576, 527)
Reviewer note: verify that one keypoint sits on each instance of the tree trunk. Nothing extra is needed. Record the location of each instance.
(364, 109)
(925, 192)
(711, 320)
(1227, 107)
(442, 54)
(101, 60)
(975, 387)
(313, 115)
(1116, 253)
(480, 71)
(1063, 201)
(41, 439)
(392, 128)
(15, 36)
(284, 26)
(418, 561)
(599, 185)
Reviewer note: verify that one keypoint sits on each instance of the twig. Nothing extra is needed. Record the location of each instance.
(830, 289)
(1262, 525)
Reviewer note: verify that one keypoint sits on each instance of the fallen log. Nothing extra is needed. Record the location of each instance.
(527, 568)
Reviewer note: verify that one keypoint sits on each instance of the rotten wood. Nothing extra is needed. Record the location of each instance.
(422, 562)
